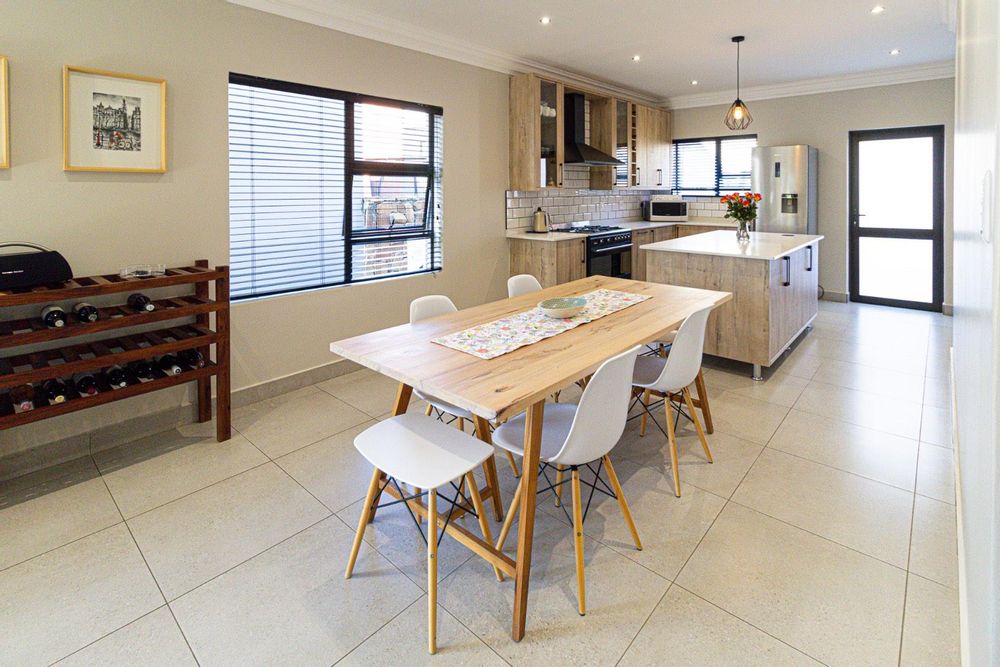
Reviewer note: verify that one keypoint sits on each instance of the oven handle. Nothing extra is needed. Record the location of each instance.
(606, 249)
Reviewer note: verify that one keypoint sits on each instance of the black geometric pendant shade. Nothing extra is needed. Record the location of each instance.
(738, 117)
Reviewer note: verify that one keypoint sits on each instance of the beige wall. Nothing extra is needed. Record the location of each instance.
(100, 221)
(824, 121)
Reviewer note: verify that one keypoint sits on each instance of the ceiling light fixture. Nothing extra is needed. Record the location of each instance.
(545, 20)
(738, 117)
(635, 58)
(878, 9)
(894, 52)
(694, 82)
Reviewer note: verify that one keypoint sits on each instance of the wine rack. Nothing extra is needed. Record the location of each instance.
(180, 322)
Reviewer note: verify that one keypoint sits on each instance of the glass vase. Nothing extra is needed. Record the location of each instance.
(743, 231)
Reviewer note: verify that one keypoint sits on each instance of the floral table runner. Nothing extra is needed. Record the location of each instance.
(507, 334)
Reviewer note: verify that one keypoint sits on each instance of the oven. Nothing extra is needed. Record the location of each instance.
(610, 254)
(665, 208)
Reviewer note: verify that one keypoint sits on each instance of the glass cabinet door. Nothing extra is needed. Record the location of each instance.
(550, 135)
(623, 136)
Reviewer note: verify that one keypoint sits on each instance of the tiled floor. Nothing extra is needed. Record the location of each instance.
(823, 533)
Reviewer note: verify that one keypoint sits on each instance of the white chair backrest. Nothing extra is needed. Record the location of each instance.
(600, 417)
(684, 360)
(524, 283)
(430, 306)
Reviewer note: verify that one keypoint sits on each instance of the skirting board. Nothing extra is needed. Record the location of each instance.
(57, 452)
(839, 297)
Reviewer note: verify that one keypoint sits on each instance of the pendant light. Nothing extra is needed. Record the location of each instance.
(738, 117)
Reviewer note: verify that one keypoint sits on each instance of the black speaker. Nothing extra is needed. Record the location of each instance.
(41, 266)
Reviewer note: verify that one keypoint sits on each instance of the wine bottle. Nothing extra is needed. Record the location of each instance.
(140, 303)
(53, 316)
(55, 390)
(191, 358)
(85, 312)
(23, 397)
(142, 369)
(85, 383)
(115, 375)
(168, 364)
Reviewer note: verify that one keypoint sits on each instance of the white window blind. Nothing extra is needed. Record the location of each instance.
(329, 188)
(712, 166)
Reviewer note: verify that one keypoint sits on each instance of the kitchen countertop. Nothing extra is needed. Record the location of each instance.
(629, 225)
(723, 243)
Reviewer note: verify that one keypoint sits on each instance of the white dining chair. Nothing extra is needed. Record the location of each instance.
(417, 450)
(700, 400)
(423, 308)
(669, 378)
(524, 283)
(576, 436)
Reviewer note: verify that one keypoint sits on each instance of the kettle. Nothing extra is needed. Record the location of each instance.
(540, 221)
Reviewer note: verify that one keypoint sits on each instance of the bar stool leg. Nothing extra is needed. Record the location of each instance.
(578, 542)
(432, 571)
(366, 511)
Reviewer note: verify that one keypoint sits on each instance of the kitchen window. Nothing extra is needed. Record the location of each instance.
(329, 188)
(712, 166)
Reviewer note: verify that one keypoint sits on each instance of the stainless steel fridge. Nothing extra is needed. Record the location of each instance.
(785, 176)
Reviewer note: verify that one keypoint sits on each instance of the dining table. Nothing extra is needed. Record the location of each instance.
(518, 381)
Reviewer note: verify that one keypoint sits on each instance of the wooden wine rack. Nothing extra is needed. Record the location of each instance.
(118, 347)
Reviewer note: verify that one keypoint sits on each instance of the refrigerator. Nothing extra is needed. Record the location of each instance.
(785, 176)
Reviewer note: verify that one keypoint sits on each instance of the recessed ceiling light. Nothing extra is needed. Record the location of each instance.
(545, 20)
(878, 9)
(635, 58)
(894, 52)
(694, 82)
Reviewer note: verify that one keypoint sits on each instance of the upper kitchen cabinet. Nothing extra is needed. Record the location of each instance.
(652, 147)
(536, 133)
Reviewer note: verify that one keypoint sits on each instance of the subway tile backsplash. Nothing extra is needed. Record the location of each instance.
(575, 203)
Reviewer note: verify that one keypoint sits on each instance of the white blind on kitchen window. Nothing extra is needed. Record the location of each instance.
(328, 188)
(712, 166)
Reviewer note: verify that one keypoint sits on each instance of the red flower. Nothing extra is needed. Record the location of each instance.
(756, 197)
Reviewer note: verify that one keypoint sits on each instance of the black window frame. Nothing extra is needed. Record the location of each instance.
(355, 167)
(717, 191)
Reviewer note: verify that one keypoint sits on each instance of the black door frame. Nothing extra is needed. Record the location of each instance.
(935, 234)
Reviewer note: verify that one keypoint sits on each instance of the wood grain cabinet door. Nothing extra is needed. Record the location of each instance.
(571, 260)
(640, 237)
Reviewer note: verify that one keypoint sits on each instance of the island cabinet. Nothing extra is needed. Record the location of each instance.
(773, 279)
(691, 230)
(641, 237)
(551, 262)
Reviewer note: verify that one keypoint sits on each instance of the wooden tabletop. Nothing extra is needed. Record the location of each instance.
(508, 384)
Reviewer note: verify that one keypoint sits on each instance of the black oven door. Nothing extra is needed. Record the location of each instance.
(615, 262)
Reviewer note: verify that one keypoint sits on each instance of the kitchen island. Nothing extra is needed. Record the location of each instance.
(773, 279)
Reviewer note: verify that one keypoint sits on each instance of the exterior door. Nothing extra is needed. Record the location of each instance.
(897, 217)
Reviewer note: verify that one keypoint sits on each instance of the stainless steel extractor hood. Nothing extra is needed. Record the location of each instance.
(576, 149)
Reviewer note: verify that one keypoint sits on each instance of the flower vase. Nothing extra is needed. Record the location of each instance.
(743, 231)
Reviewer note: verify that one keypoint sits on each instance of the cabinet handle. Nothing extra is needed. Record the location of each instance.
(583, 260)
(659, 177)
(638, 175)
(560, 174)
(788, 271)
(810, 265)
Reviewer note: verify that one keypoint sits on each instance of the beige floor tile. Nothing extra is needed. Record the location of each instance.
(59, 602)
(799, 363)
(874, 454)
(40, 519)
(151, 641)
(936, 426)
(331, 469)
(153, 471)
(937, 392)
(402, 642)
(881, 413)
(686, 630)
(779, 388)
(938, 365)
(930, 627)
(291, 604)
(281, 425)
(831, 602)
(934, 544)
(871, 380)
(859, 513)
(936, 473)
(366, 390)
(620, 596)
(746, 418)
(195, 538)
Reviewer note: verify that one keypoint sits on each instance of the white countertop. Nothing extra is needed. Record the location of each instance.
(629, 225)
(723, 243)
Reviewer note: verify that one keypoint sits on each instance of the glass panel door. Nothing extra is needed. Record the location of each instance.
(897, 217)
(551, 134)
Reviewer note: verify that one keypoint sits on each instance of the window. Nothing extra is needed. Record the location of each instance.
(328, 187)
(712, 166)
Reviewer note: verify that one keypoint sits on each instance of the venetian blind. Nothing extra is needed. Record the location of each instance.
(713, 166)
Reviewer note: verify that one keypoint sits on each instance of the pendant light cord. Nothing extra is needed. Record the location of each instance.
(737, 70)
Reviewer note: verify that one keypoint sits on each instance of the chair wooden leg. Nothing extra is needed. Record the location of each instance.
(672, 443)
(366, 510)
(697, 424)
(513, 464)
(645, 413)
(461, 424)
(432, 571)
(578, 542)
(559, 486)
(706, 411)
(429, 409)
(511, 513)
(484, 524)
(622, 503)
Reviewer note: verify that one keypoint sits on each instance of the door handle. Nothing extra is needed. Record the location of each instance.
(810, 265)
(788, 271)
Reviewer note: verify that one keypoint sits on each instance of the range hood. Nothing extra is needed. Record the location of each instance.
(576, 149)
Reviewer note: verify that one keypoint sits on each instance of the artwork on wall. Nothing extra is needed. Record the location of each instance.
(113, 122)
(4, 117)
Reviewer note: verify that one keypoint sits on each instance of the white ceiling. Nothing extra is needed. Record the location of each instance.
(678, 40)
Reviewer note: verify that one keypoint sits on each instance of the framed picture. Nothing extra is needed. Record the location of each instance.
(4, 117)
(113, 121)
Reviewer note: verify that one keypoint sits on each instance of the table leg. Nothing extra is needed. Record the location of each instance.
(526, 523)
(403, 393)
(490, 467)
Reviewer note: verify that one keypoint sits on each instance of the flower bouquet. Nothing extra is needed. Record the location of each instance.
(742, 209)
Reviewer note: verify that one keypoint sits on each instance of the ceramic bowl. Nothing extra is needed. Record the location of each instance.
(562, 307)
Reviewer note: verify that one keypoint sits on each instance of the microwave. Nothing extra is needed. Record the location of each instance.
(665, 208)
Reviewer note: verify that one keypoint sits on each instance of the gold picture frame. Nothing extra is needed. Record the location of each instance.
(100, 135)
(4, 116)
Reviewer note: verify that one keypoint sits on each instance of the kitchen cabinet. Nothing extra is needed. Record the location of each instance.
(603, 137)
(652, 138)
(691, 230)
(551, 262)
(641, 237)
(535, 133)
